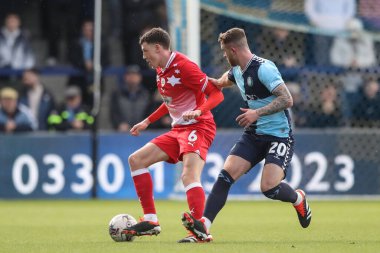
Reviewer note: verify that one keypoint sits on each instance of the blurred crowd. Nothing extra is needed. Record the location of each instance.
(334, 80)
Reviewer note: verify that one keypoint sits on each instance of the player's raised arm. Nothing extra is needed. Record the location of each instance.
(222, 82)
(215, 97)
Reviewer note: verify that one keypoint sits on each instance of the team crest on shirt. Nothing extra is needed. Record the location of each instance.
(250, 81)
(162, 82)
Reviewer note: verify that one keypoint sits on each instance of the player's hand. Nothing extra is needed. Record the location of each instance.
(247, 117)
(124, 127)
(77, 124)
(191, 115)
(135, 130)
(10, 126)
(216, 82)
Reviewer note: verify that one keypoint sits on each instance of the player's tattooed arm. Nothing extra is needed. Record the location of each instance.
(282, 101)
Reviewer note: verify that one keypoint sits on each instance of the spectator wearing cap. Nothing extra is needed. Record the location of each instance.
(15, 49)
(72, 115)
(35, 96)
(14, 117)
(129, 104)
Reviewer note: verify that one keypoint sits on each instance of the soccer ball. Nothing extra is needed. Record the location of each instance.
(116, 226)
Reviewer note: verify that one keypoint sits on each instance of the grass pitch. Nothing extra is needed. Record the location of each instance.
(254, 226)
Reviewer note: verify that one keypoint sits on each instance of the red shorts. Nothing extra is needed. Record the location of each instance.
(196, 138)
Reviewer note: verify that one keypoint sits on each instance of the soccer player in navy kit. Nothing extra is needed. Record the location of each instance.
(267, 133)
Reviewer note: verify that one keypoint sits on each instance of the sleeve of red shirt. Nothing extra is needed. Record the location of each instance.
(215, 97)
(195, 78)
(157, 114)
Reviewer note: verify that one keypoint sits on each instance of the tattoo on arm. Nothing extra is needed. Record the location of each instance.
(282, 101)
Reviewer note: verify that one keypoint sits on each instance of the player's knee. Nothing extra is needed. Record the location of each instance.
(271, 193)
(267, 184)
(188, 178)
(134, 162)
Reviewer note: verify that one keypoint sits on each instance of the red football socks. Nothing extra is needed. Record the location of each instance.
(195, 199)
(144, 188)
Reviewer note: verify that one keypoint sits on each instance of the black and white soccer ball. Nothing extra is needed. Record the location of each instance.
(117, 224)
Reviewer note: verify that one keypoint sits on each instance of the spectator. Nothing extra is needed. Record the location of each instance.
(286, 49)
(130, 103)
(35, 96)
(327, 113)
(299, 114)
(331, 16)
(15, 49)
(355, 51)
(366, 111)
(81, 56)
(72, 115)
(13, 117)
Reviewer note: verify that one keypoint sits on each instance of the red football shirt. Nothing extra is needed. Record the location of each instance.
(181, 84)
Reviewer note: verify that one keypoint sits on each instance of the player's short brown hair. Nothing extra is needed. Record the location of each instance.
(156, 35)
(233, 35)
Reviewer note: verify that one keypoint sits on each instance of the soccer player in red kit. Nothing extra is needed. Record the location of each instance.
(183, 87)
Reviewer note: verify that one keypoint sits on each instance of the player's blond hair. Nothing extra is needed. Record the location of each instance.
(235, 36)
(156, 35)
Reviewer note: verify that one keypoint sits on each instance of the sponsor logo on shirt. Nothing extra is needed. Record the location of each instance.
(249, 81)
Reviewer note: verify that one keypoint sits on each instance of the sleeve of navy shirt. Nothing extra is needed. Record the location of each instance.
(231, 76)
(269, 75)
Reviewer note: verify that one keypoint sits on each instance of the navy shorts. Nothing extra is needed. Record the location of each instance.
(254, 148)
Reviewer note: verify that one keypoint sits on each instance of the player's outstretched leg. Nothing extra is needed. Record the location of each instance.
(303, 209)
(143, 228)
(197, 229)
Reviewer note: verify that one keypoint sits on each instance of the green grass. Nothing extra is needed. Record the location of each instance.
(255, 226)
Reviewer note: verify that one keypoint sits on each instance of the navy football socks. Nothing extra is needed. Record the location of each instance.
(282, 192)
(218, 195)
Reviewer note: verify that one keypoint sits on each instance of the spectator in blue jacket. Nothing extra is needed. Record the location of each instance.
(35, 96)
(14, 117)
(81, 54)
